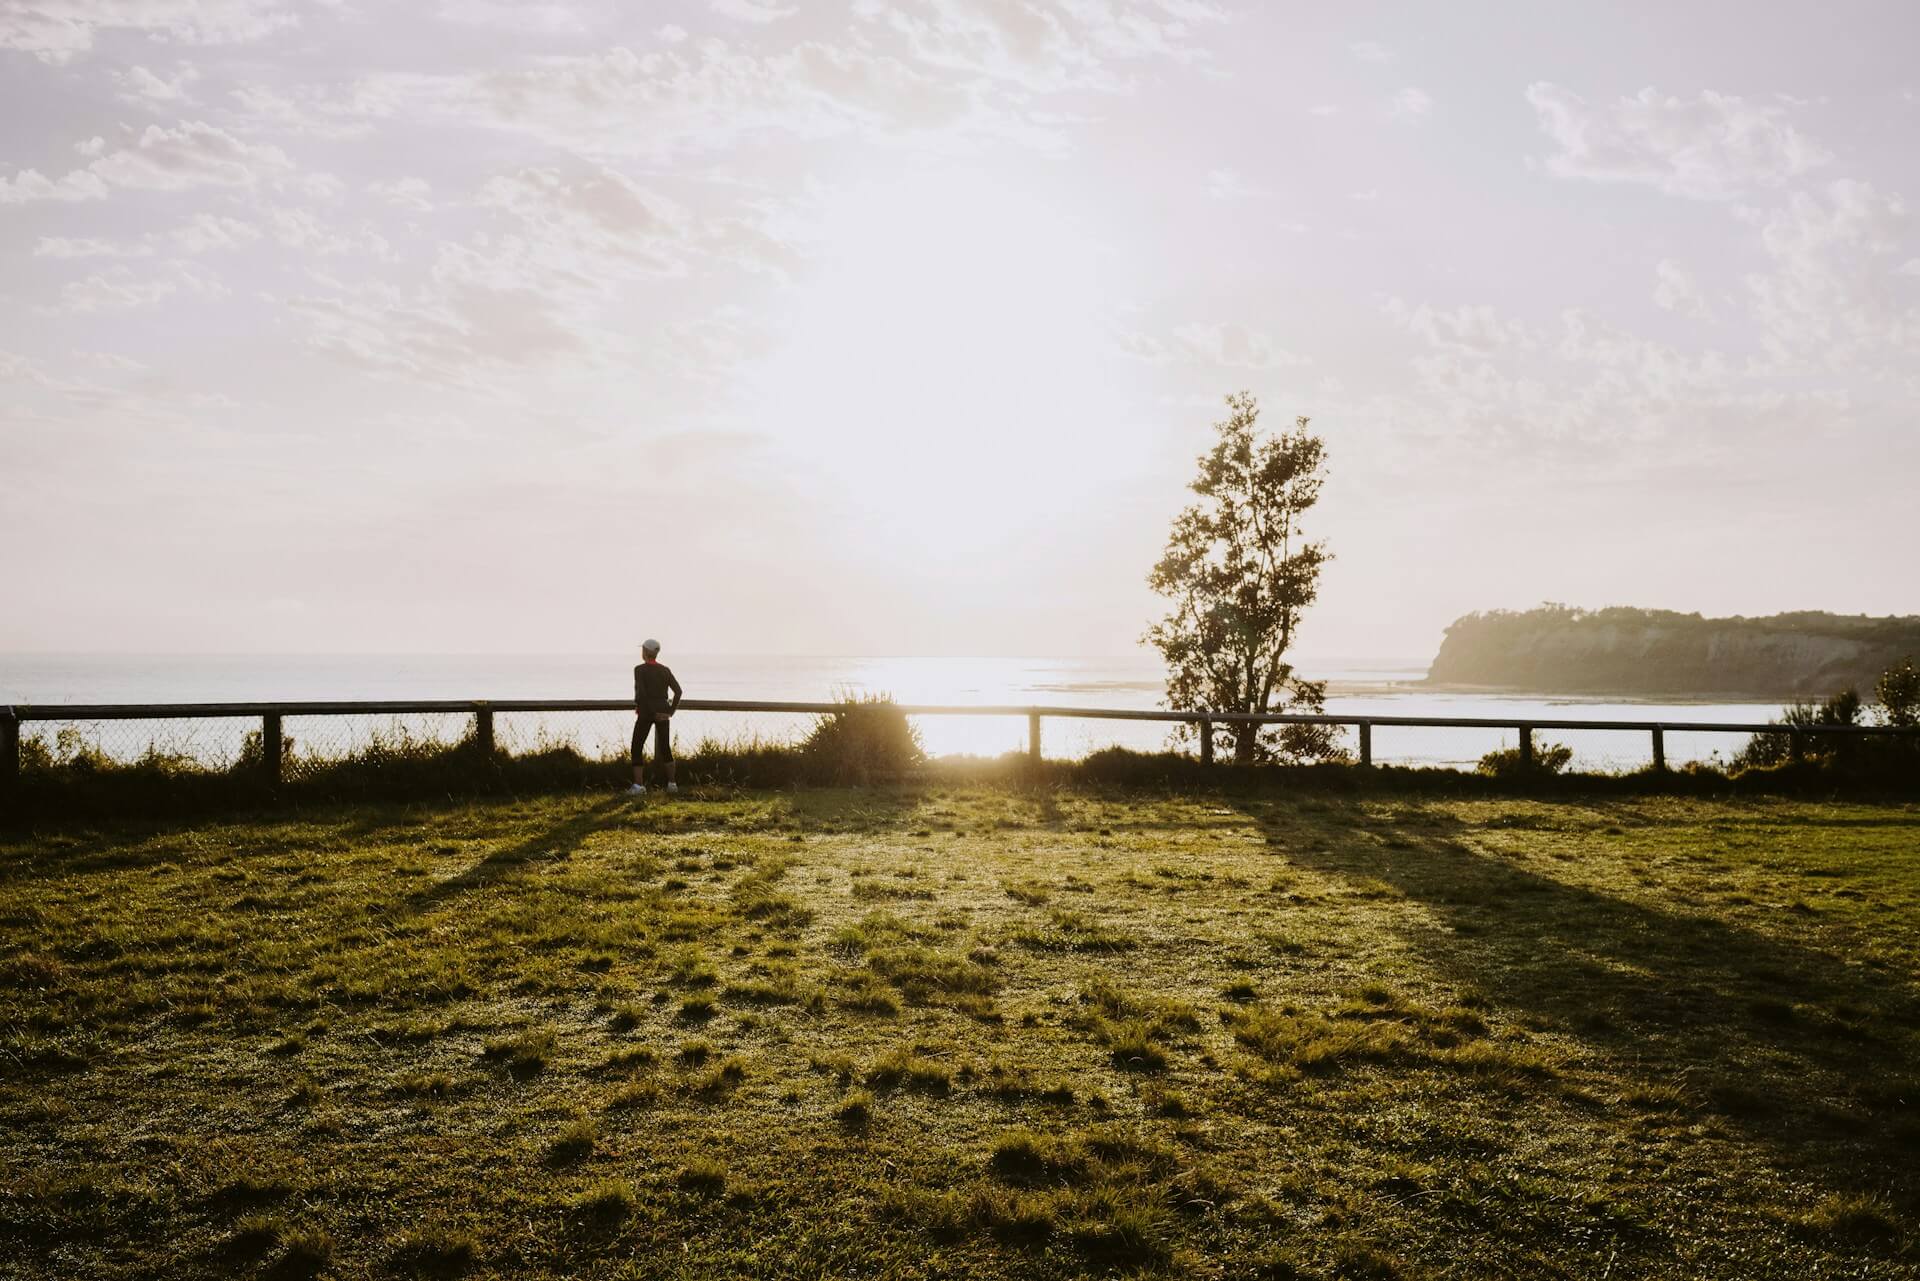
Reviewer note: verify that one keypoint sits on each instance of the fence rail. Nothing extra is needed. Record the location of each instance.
(272, 715)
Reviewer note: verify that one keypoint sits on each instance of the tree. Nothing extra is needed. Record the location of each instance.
(1899, 695)
(1240, 571)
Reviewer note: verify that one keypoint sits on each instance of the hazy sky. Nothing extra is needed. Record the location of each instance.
(852, 327)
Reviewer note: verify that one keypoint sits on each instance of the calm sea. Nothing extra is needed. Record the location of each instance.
(1386, 687)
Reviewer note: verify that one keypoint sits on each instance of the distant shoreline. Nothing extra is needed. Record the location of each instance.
(1622, 653)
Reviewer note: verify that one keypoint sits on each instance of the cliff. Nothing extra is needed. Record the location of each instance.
(1639, 652)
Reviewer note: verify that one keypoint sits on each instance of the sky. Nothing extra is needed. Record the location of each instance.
(846, 327)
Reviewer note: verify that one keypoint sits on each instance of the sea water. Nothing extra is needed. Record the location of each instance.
(1379, 687)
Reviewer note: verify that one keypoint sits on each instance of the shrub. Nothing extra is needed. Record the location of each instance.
(866, 739)
(1765, 750)
(1548, 759)
(1898, 692)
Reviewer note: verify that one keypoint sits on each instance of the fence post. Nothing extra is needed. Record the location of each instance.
(9, 750)
(1659, 749)
(272, 747)
(1526, 747)
(483, 729)
(1366, 744)
(1033, 736)
(1206, 742)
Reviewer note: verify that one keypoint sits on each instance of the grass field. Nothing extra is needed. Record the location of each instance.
(967, 1032)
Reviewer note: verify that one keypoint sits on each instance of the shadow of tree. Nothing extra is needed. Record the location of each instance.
(1811, 1053)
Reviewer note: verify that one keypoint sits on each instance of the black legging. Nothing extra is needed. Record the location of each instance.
(662, 742)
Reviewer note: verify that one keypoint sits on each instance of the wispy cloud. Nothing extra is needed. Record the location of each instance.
(1219, 345)
(1410, 103)
(158, 158)
(1710, 146)
(57, 30)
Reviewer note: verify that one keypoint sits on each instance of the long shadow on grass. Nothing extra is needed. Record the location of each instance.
(549, 845)
(855, 808)
(121, 844)
(1792, 1045)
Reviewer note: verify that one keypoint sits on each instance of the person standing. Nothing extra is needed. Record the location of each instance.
(653, 709)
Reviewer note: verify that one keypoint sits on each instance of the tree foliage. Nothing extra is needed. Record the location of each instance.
(1898, 692)
(1240, 571)
(1764, 750)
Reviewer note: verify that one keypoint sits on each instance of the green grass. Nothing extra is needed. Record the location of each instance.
(964, 1031)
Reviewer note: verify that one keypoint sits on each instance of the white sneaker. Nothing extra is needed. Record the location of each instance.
(638, 789)
(673, 789)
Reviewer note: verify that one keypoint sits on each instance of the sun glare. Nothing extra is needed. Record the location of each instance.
(948, 369)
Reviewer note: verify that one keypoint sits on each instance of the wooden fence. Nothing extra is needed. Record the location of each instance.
(272, 715)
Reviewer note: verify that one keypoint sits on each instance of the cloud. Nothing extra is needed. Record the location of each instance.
(1831, 297)
(153, 91)
(1046, 45)
(1472, 329)
(191, 154)
(460, 333)
(302, 110)
(206, 232)
(585, 221)
(925, 71)
(1708, 147)
(514, 15)
(755, 11)
(415, 195)
(1226, 346)
(119, 289)
(202, 233)
(550, 284)
(85, 247)
(1675, 291)
(1489, 385)
(57, 30)
(1368, 51)
(680, 99)
(1227, 184)
(1410, 103)
(31, 184)
(301, 229)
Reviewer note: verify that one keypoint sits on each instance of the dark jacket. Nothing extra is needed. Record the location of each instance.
(651, 681)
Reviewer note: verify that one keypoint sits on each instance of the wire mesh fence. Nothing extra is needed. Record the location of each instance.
(207, 743)
(327, 741)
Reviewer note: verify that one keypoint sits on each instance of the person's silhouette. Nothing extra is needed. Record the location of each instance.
(656, 696)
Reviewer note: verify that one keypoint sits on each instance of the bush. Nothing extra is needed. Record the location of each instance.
(1548, 759)
(866, 739)
(1766, 750)
(1899, 694)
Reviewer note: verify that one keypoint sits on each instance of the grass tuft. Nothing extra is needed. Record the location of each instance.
(436, 1252)
(608, 1200)
(524, 1054)
(855, 1108)
(702, 1176)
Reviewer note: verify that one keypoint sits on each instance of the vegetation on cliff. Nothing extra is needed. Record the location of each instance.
(1560, 649)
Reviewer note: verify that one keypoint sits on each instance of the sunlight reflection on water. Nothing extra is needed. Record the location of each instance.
(1383, 688)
